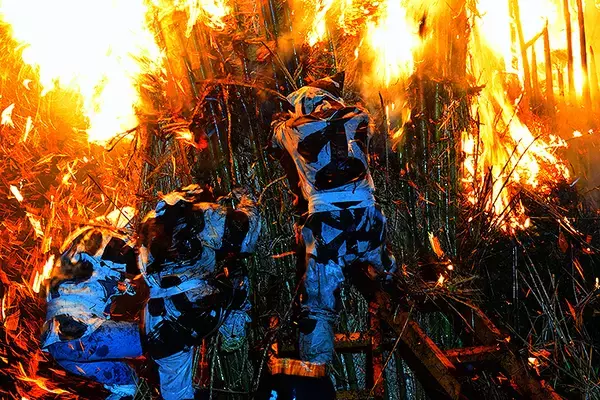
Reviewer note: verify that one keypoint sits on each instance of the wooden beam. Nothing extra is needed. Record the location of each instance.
(473, 354)
(516, 368)
(422, 355)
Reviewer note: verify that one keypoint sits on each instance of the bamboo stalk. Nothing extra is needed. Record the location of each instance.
(535, 83)
(561, 82)
(587, 99)
(548, 63)
(516, 14)
(569, 31)
(594, 87)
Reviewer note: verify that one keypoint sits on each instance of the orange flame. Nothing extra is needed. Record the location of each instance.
(90, 47)
(507, 148)
(6, 119)
(211, 12)
(45, 274)
(319, 28)
(392, 40)
(15, 192)
(391, 46)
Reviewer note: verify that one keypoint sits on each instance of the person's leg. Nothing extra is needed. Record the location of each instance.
(111, 341)
(98, 356)
(369, 244)
(323, 237)
(316, 328)
(168, 349)
(118, 377)
(175, 373)
(109, 373)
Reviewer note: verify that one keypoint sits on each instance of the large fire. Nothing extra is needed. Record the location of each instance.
(211, 12)
(388, 29)
(508, 149)
(392, 61)
(102, 51)
(99, 50)
(515, 153)
(94, 48)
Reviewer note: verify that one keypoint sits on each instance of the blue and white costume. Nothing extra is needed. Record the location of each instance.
(182, 242)
(78, 331)
(328, 142)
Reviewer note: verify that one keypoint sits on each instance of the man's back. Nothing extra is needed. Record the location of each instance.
(328, 143)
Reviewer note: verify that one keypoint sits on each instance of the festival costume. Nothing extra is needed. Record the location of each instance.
(78, 332)
(327, 141)
(182, 241)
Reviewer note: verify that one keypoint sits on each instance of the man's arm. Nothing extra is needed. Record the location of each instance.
(278, 152)
(242, 227)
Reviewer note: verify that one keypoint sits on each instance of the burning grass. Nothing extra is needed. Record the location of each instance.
(214, 106)
(52, 181)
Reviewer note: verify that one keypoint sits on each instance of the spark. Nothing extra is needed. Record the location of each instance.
(46, 271)
(15, 192)
(28, 128)
(6, 118)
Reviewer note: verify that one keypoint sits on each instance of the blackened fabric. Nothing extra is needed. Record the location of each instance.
(336, 240)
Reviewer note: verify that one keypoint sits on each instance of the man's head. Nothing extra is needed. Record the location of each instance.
(91, 247)
(333, 84)
(171, 233)
(319, 94)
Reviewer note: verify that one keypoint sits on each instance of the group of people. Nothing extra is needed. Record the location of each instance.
(189, 253)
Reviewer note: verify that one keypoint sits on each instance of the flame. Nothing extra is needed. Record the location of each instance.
(4, 305)
(6, 117)
(319, 28)
(93, 48)
(46, 271)
(15, 192)
(388, 31)
(392, 39)
(211, 12)
(436, 246)
(440, 281)
(28, 128)
(120, 218)
(535, 14)
(391, 45)
(38, 381)
(507, 147)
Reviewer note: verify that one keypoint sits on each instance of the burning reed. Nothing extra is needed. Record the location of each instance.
(481, 179)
